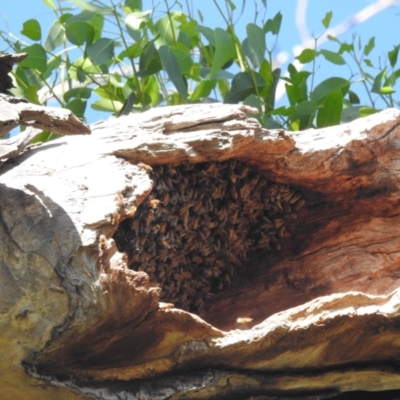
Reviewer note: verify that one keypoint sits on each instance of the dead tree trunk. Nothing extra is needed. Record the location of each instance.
(283, 245)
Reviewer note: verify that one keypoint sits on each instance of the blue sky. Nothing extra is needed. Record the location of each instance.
(385, 25)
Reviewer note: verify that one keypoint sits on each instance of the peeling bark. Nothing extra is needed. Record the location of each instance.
(322, 313)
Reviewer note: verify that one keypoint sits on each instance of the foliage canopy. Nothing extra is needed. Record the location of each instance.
(125, 59)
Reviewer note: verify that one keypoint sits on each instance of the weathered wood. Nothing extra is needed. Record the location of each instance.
(326, 306)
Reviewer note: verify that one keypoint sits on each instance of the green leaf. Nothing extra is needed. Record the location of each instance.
(52, 65)
(370, 45)
(56, 36)
(330, 111)
(107, 105)
(208, 33)
(231, 5)
(150, 61)
(304, 115)
(50, 4)
(37, 58)
(31, 29)
(332, 57)
(203, 89)
(128, 105)
(79, 32)
(368, 62)
(135, 21)
(81, 93)
(376, 86)
(346, 48)
(329, 86)
(351, 113)
(392, 55)
(306, 56)
(132, 51)
(327, 20)
(243, 86)
(77, 106)
(172, 68)
(89, 6)
(101, 51)
(366, 111)
(80, 67)
(273, 25)
(354, 99)
(224, 50)
(333, 39)
(45, 136)
(152, 89)
(183, 57)
(166, 29)
(256, 43)
(134, 5)
(386, 90)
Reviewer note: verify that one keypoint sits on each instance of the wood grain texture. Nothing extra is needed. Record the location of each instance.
(324, 309)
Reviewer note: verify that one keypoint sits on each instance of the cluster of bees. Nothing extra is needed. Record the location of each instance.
(200, 222)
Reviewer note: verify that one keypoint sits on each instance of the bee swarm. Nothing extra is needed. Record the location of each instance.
(200, 222)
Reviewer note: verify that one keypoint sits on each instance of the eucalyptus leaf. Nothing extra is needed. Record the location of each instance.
(31, 29)
(203, 89)
(79, 32)
(101, 51)
(330, 111)
(243, 85)
(256, 43)
(224, 50)
(37, 58)
(332, 57)
(171, 65)
(327, 20)
(150, 60)
(55, 37)
(392, 55)
(306, 56)
(329, 86)
(77, 106)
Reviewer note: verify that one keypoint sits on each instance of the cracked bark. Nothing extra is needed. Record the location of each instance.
(324, 309)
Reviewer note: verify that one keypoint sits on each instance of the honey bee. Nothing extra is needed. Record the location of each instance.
(243, 171)
(131, 210)
(300, 203)
(188, 167)
(165, 198)
(286, 208)
(283, 233)
(244, 320)
(232, 177)
(168, 182)
(149, 218)
(226, 279)
(102, 242)
(178, 277)
(197, 259)
(245, 191)
(154, 203)
(217, 192)
(278, 222)
(264, 240)
(233, 193)
(294, 197)
(173, 199)
(165, 306)
(170, 169)
(186, 275)
(275, 243)
(145, 167)
(212, 168)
